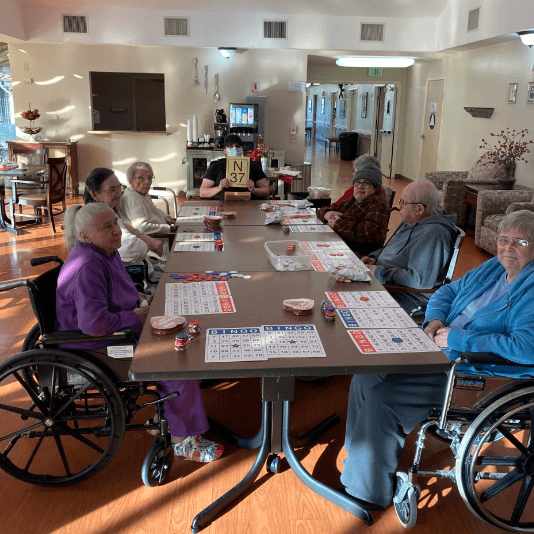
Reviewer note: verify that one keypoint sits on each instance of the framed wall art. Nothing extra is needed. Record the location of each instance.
(364, 105)
(512, 93)
(530, 93)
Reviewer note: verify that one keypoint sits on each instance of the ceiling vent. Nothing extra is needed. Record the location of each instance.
(275, 29)
(74, 24)
(175, 26)
(372, 32)
(472, 19)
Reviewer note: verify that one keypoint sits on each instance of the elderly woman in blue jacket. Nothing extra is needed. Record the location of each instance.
(488, 310)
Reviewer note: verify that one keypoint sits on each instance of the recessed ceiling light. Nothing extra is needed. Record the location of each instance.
(527, 36)
(361, 61)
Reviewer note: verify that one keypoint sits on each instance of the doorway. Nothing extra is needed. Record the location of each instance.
(386, 101)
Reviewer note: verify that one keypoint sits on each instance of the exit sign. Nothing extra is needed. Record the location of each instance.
(375, 71)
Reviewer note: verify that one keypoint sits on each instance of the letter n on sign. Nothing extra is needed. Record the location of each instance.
(237, 171)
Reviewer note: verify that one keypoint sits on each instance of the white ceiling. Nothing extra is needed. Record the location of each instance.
(362, 8)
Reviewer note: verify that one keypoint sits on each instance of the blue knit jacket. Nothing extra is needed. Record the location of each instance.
(504, 327)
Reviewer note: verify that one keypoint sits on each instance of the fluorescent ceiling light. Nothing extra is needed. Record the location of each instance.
(226, 52)
(360, 61)
(527, 37)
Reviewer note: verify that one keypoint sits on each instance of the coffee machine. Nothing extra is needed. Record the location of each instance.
(220, 127)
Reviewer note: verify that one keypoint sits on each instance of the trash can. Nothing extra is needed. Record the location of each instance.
(348, 145)
(304, 181)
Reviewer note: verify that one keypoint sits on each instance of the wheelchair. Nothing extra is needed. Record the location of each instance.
(487, 423)
(64, 412)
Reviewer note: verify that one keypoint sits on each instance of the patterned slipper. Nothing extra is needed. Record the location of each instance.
(198, 449)
(153, 421)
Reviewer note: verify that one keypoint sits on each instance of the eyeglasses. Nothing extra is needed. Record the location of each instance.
(516, 243)
(150, 178)
(115, 189)
(402, 203)
(362, 183)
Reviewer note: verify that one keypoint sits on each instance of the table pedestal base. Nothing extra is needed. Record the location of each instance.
(277, 394)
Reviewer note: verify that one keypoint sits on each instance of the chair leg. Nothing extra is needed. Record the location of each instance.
(51, 215)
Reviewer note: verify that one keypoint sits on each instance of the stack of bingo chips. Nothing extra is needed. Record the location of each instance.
(290, 248)
(328, 311)
(219, 245)
(194, 328)
(180, 342)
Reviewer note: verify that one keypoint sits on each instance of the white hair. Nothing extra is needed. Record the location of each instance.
(79, 219)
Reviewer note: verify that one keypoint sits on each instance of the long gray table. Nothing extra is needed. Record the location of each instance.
(243, 249)
(248, 212)
(258, 302)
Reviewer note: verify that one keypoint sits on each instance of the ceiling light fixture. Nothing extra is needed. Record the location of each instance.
(226, 51)
(361, 61)
(527, 36)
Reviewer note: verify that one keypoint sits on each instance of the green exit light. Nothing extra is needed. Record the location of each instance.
(375, 71)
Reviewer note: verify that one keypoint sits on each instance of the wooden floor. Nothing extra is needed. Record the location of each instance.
(116, 501)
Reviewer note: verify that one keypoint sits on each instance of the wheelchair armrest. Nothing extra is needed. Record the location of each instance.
(77, 336)
(489, 357)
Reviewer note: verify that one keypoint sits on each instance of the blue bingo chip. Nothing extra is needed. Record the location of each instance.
(397, 340)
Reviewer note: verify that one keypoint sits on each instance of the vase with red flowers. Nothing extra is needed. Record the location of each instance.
(509, 148)
(262, 154)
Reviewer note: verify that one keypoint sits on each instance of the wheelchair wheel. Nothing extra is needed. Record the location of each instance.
(405, 502)
(496, 477)
(158, 463)
(61, 418)
(31, 338)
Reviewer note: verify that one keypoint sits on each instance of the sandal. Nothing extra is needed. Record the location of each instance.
(198, 449)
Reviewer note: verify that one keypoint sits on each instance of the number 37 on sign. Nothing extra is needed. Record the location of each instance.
(237, 171)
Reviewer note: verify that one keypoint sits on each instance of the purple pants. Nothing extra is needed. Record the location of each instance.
(185, 413)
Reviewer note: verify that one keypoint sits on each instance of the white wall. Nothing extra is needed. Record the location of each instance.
(473, 78)
(60, 90)
(11, 20)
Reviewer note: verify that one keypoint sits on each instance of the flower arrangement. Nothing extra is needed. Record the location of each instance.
(509, 148)
(260, 152)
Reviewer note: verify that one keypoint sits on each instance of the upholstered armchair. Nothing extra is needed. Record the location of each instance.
(451, 185)
(492, 206)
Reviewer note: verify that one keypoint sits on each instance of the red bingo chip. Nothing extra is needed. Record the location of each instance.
(364, 298)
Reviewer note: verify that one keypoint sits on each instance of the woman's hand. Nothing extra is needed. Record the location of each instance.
(131, 229)
(440, 339)
(142, 313)
(170, 220)
(154, 245)
(432, 327)
(144, 298)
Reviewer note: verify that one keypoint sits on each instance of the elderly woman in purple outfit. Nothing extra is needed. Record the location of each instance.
(96, 295)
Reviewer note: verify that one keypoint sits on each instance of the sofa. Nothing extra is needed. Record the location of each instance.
(492, 206)
(450, 184)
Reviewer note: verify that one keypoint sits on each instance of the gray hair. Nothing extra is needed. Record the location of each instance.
(365, 159)
(80, 218)
(130, 173)
(425, 193)
(522, 220)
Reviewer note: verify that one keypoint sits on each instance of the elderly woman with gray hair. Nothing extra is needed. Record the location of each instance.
(137, 208)
(488, 310)
(96, 295)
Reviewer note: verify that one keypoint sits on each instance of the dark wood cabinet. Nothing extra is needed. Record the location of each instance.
(53, 149)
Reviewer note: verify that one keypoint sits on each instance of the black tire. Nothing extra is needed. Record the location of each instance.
(158, 463)
(61, 418)
(274, 464)
(405, 505)
(32, 337)
(496, 477)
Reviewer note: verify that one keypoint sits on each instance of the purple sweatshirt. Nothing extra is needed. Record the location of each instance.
(96, 295)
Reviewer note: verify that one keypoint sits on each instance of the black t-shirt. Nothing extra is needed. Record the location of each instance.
(217, 172)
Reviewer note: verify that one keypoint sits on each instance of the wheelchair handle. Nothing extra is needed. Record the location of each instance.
(7, 286)
(45, 259)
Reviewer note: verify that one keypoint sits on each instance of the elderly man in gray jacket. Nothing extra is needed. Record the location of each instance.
(417, 253)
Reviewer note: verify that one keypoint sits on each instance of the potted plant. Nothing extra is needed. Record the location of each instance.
(261, 154)
(510, 147)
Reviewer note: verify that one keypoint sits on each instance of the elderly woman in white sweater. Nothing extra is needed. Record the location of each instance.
(101, 185)
(137, 208)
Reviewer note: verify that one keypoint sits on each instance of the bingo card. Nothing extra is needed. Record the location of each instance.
(376, 318)
(385, 340)
(310, 228)
(292, 341)
(362, 299)
(196, 289)
(196, 211)
(234, 344)
(194, 236)
(200, 298)
(190, 246)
